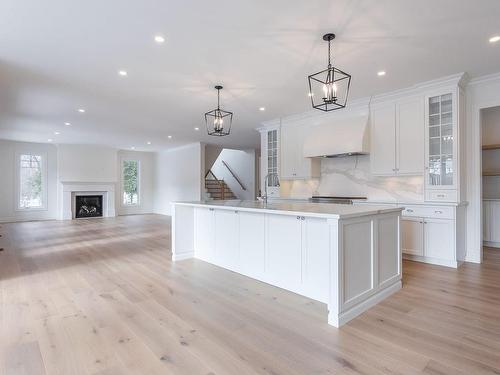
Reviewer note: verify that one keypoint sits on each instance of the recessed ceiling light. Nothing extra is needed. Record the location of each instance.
(148, 142)
(262, 108)
(159, 38)
(81, 110)
(132, 148)
(67, 123)
(49, 140)
(56, 133)
(169, 137)
(123, 73)
(381, 73)
(196, 128)
(495, 39)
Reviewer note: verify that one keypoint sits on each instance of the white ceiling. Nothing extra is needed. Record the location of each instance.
(60, 55)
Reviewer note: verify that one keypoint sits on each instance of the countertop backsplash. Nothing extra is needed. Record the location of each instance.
(350, 176)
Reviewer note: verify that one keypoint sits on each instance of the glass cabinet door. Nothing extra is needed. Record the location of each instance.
(440, 146)
(272, 158)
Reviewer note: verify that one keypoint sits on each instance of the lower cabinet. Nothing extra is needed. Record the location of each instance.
(204, 235)
(412, 236)
(439, 237)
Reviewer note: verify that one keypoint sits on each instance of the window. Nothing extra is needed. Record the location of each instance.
(130, 181)
(31, 181)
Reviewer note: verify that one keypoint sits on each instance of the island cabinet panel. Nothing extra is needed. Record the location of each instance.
(316, 255)
(357, 260)
(252, 243)
(412, 233)
(204, 235)
(226, 238)
(389, 255)
(284, 251)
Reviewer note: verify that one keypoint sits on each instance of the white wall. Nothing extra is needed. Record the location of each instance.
(87, 163)
(8, 174)
(146, 182)
(242, 163)
(179, 176)
(212, 152)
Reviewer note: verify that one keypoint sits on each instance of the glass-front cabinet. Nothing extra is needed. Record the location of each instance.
(270, 160)
(441, 147)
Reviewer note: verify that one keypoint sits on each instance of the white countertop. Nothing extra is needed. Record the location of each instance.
(409, 203)
(324, 210)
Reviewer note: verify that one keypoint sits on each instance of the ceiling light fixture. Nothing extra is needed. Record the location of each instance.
(132, 148)
(123, 73)
(56, 133)
(148, 142)
(159, 39)
(67, 123)
(381, 73)
(495, 39)
(197, 128)
(169, 137)
(262, 108)
(81, 110)
(49, 140)
(330, 86)
(215, 118)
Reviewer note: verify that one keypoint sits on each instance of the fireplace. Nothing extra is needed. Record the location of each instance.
(88, 206)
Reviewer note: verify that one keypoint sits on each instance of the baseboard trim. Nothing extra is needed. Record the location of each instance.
(491, 244)
(435, 261)
(182, 256)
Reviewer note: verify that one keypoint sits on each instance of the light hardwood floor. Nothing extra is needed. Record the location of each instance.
(102, 297)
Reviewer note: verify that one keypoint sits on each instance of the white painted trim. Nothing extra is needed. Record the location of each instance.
(17, 182)
(139, 176)
(435, 261)
(182, 256)
(360, 308)
(491, 244)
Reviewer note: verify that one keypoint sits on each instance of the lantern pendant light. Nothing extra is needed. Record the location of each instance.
(217, 120)
(329, 88)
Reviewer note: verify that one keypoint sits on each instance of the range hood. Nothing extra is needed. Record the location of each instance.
(345, 136)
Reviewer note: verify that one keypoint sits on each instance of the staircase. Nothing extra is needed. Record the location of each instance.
(218, 190)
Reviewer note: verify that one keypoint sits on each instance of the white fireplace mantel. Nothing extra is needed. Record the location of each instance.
(69, 189)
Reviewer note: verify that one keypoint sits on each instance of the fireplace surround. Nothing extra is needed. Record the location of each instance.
(71, 190)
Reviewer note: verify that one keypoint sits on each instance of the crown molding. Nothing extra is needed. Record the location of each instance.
(484, 79)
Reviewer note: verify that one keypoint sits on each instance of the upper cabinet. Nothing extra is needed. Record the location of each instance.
(397, 138)
(442, 140)
(294, 165)
(270, 160)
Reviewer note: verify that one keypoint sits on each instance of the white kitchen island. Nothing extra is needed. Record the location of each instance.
(346, 256)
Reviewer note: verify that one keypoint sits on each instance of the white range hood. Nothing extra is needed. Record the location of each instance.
(344, 136)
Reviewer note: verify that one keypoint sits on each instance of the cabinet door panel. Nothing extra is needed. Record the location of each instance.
(289, 151)
(412, 236)
(494, 219)
(226, 239)
(438, 236)
(252, 244)
(316, 243)
(383, 133)
(204, 243)
(410, 137)
(284, 257)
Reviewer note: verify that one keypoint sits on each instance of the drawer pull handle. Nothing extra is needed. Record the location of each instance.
(409, 210)
(440, 195)
(438, 212)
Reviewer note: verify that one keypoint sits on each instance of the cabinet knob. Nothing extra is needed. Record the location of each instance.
(298, 217)
(409, 210)
(302, 218)
(440, 195)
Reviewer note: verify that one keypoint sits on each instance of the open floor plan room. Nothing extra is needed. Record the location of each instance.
(226, 187)
(94, 297)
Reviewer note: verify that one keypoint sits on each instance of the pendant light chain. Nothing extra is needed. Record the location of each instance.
(329, 54)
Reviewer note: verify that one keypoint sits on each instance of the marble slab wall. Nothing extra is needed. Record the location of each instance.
(350, 176)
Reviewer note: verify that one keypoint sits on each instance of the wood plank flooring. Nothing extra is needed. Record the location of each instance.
(101, 297)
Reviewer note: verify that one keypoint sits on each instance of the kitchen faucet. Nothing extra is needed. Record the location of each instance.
(265, 184)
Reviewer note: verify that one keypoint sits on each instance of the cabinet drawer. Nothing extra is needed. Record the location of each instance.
(441, 195)
(437, 212)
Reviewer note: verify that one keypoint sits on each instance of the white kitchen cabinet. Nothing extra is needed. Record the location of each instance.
(315, 243)
(270, 160)
(204, 234)
(412, 236)
(410, 137)
(284, 250)
(439, 239)
(383, 132)
(252, 243)
(226, 238)
(397, 138)
(294, 165)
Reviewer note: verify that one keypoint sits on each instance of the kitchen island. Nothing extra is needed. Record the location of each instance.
(346, 256)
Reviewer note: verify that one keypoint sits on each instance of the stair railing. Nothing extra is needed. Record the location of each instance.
(234, 175)
(220, 183)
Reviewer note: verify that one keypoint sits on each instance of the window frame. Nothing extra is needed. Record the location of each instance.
(122, 190)
(17, 173)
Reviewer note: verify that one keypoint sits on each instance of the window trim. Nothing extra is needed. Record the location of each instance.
(122, 190)
(17, 182)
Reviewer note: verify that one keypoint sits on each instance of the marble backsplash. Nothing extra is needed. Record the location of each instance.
(350, 176)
